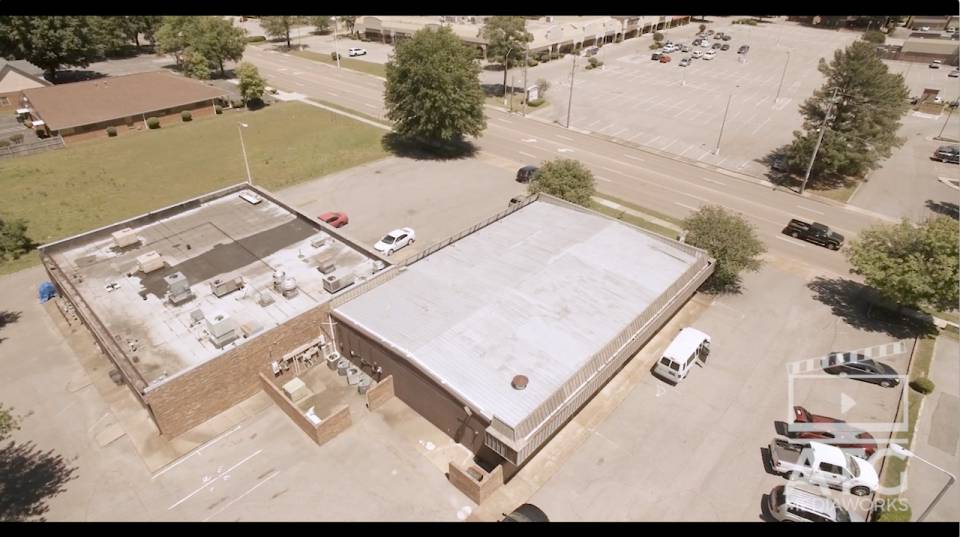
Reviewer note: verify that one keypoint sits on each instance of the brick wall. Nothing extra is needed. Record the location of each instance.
(380, 393)
(194, 396)
(135, 124)
(479, 486)
(330, 426)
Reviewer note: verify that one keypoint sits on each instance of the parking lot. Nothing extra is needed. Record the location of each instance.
(680, 109)
(694, 452)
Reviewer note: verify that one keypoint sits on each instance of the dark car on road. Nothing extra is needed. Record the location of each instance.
(743, 49)
(835, 431)
(655, 56)
(816, 233)
(947, 153)
(526, 174)
(861, 368)
(727, 37)
(725, 47)
(526, 513)
(717, 46)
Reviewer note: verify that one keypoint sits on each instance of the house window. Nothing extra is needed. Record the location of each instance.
(4, 101)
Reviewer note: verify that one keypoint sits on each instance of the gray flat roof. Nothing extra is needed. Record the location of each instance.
(536, 293)
(217, 239)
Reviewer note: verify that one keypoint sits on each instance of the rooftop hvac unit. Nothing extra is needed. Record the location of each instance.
(222, 329)
(325, 262)
(125, 237)
(178, 288)
(150, 262)
(250, 197)
(223, 287)
(289, 288)
(549, 18)
(337, 281)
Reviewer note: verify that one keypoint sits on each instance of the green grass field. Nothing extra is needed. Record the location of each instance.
(369, 68)
(94, 183)
(635, 220)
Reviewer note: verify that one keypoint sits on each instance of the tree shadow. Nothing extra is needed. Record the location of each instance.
(8, 317)
(497, 90)
(419, 149)
(862, 307)
(945, 208)
(29, 478)
(76, 75)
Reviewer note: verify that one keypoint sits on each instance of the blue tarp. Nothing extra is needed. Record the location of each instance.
(47, 291)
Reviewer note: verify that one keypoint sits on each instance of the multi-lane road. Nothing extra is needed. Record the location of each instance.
(662, 183)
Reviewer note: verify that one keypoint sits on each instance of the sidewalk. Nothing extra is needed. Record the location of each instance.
(936, 438)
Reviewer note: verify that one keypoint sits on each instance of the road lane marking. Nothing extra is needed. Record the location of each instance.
(334, 94)
(791, 241)
(527, 154)
(685, 206)
(238, 498)
(809, 209)
(634, 158)
(565, 150)
(507, 121)
(664, 148)
(600, 177)
(212, 481)
(529, 140)
(565, 137)
(714, 181)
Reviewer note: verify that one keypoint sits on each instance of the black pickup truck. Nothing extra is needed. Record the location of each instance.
(815, 232)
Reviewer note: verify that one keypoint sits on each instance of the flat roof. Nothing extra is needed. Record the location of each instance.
(217, 239)
(536, 293)
(104, 99)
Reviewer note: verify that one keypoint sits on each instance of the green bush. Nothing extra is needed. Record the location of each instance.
(17, 138)
(618, 39)
(923, 385)
(536, 102)
(656, 45)
(153, 122)
(256, 39)
(333, 55)
(589, 66)
(594, 62)
(111, 131)
(554, 55)
(874, 36)
(532, 62)
(749, 22)
(186, 115)
(218, 109)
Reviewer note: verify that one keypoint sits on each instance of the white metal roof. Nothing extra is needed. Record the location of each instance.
(535, 293)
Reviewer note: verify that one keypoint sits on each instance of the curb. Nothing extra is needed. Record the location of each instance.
(342, 113)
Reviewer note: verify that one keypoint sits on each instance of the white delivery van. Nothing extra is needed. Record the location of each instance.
(689, 346)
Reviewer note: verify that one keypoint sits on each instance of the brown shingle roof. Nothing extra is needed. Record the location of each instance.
(104, 99)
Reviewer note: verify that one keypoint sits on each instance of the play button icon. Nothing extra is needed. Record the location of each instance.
(846, 403)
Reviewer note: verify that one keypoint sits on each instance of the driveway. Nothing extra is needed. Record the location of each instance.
(692, 452)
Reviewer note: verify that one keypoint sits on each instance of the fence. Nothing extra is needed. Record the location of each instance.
(20, 150)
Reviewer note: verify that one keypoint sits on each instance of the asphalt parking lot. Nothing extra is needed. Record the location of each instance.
(680, 109)
(692, 452)
(436, 198)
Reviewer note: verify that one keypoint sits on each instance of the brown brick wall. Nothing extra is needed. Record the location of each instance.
(135, 124)
(195, 396)
(338, 421)
(330, 426)
(380, 393)
(477, 491)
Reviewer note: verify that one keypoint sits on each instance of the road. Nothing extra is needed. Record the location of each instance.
(667, 185)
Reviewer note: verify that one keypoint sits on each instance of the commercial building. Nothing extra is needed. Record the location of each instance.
(926, 49)
(932, 23)
(191, 302)
(93, 105)
(500, 334)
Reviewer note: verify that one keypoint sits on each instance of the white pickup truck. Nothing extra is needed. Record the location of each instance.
(822, 464)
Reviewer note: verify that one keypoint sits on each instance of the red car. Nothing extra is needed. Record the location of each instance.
(833, 433)
(335, 219)
(664, 58)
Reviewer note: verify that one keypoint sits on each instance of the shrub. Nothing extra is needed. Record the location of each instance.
(654, 46)
(333, 55)
(17, 138)
(256, 39)
(111, 131)
(893, 509)
(618, 39)
(875, 37)
(153, 122)
(657, 36)
(28, 124)
(186, 115)
(589, 66)
(532, 62)
(923, 385)
(536, 102)
(554, 55)
(218, 109)
(594, 62)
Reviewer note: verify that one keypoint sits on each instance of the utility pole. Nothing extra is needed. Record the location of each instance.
(525, 94)
(243, 148)
(724, 122)
(336, 44)
(512, 83)
(940, 136)
(570, 101)
(777, 98)
(816, 148)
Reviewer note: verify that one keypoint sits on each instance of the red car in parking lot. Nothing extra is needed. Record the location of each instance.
(335, 219)
(834, 432)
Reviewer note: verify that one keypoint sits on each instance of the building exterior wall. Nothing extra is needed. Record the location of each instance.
(167, 117)
(15, 82)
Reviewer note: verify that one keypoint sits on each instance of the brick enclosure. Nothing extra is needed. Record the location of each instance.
(380, 393)
(475, 482)
(338, 421)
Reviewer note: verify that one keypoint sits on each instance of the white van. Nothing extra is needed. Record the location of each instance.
(689, 346)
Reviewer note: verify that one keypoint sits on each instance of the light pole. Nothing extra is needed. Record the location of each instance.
(243, 148)
(903, 452)
(940, 136)
(573, 70)
(526, 50)
(782, 76)
(336, 44)
(716, 151)
(823, 129)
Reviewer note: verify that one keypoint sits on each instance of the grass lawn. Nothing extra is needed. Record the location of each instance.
(383, 121)
(635, 220)
(841, 194)
(369, 68)
(636, 207)
(94, 183)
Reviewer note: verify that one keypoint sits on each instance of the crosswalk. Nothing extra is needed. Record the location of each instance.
(875, 352)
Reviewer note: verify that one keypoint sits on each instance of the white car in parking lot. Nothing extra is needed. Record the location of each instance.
(697, 54)
(395, 240)
(709, 55)
(356, 51)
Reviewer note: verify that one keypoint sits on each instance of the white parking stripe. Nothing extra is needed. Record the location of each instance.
(631, 157)
(792, 241)
(685, 206)
(809, 209)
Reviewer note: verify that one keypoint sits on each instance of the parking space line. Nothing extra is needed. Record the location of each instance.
(618, 132)
(655, 138)
(664, 148)
(238, 498)
(689, 147)
(198, 450)
(212, 481)
(564, 137)
(602, 178)
(634, 158)
(760, 126)
(714, 181)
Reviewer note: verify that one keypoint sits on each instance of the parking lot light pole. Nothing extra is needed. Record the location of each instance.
(243, 148)
(782, 76)
(940, 136)
(903, 452)
(570, 100)
(336, 44)
(716, 151)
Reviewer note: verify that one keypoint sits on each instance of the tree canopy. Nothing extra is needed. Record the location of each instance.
(279, 27)
(51, 42)
(507, 39)
(13, 239)
(252, 85)
(321, 22)
(433, 88)
(861, 129)
(214, 38)
(730, 239)
(911, 265)
(566, 179)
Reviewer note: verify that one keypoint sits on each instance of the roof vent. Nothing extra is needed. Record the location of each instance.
(519, 382)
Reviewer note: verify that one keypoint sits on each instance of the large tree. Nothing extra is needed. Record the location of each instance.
(13, 239)
(433, 88)
(863, 120)
(350, 21)
(252, 85)
(279, 27)
(219, 40)
(916, 266)
(321, 23)
(50, 42)
(173, 35)
(507, 38)
(730, 239)
(566, 179)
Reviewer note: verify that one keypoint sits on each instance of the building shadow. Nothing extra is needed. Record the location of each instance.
(419, 149)
(945, 208)
(76, 75)
(862, 308)
(29, 478)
